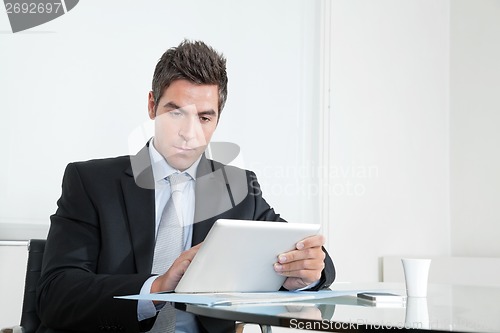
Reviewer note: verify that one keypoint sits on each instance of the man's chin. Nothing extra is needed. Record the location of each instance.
(181, 162)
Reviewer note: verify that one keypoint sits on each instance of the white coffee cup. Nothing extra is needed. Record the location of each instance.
(416, 276)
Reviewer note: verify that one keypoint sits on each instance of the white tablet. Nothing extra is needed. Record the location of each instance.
(238, 256)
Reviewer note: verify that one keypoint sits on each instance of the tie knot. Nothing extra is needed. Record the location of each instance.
(178, 181)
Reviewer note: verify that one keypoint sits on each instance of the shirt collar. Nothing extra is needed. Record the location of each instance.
(161, 169)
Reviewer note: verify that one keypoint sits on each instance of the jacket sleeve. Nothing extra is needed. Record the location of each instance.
(71, 293)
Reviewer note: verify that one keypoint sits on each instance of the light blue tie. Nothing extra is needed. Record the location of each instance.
(169, 245)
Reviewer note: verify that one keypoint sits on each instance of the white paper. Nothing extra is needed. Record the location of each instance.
(220, 299)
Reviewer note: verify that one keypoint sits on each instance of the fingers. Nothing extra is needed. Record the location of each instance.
(305, 249)
(314, 263)
(189, 254)
(306, 269)
(181, 264)
(313, 241)
(303, 265)
(171, 278)
(302, 274)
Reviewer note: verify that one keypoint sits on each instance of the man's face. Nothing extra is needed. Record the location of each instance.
(185, 119)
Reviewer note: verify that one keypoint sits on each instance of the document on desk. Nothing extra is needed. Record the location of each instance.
(224, 299)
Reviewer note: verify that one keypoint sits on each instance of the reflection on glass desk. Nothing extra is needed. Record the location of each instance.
(446, 308)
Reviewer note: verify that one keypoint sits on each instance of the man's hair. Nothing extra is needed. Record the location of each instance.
(194, 61)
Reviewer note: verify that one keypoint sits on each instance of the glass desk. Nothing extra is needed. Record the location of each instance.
(446, 308)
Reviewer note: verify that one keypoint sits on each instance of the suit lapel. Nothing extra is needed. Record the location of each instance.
(139, 196)
(211, 198)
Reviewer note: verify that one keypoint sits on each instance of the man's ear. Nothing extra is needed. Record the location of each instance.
(151, 106)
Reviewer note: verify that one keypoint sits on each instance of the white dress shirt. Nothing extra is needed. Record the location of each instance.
(185, 322)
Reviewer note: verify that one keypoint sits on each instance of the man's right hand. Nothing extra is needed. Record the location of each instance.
(171, 278)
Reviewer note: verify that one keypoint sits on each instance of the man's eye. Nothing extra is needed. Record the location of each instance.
(175, 113)
(205, 119)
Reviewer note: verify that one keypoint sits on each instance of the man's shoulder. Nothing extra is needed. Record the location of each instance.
(101, 166)
(102, 162)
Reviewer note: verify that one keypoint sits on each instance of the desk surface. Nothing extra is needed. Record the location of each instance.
(447, 308)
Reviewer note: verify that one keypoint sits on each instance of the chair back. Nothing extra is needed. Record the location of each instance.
(29, 316)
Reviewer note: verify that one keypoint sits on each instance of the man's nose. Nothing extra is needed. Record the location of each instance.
(189, 128)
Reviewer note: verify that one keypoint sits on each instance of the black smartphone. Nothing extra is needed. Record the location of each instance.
(382, 297)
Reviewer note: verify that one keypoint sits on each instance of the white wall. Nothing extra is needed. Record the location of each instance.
(474, 127)
(76, 87)
(388, 144)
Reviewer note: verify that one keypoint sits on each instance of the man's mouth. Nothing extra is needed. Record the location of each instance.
(184, 149)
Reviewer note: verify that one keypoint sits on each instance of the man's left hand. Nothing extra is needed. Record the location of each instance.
(304, 265)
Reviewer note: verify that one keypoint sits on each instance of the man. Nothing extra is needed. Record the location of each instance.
(111, 215)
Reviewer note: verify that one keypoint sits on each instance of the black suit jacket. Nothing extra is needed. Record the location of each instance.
(101, 239)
